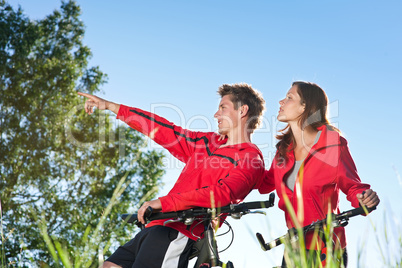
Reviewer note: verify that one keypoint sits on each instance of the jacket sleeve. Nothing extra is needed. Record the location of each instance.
(348, 180)
(268, 181)
(245, 177)
(179, 142)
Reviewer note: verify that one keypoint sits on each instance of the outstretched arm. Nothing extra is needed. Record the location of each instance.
(101, 104)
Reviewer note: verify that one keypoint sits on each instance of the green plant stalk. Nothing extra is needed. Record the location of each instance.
(298, 219)
(329, 231)
(145, 197)
(299, 229)
(63, 254)
(46, 237)
(77, 262)
(116, 193)
(3, 256)
(56, 248)
(299, 257)
(385, 262)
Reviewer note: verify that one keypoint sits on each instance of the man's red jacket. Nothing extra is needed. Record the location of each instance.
(212, 176)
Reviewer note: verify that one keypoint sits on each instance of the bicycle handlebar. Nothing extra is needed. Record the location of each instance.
(337, 219)
(235, 210)
(354, 212)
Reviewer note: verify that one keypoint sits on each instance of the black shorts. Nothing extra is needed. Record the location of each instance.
(154, 247)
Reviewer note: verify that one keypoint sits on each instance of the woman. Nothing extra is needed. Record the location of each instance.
(313, 164)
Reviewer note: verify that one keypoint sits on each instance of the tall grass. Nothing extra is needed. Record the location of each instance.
(295, 251)
(91, 238)
(2, 256)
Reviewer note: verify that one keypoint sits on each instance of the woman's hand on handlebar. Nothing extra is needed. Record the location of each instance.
(368, 198)
(154, 204)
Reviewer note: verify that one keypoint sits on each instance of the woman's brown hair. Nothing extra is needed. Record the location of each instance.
(314, 115)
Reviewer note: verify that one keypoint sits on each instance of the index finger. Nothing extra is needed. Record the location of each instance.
(369, 194)
(140, 218)
(140, 215)
(85, 95)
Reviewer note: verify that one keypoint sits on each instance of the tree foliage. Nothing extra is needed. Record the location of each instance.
(59, 167)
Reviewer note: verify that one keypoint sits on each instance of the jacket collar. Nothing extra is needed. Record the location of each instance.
(239, 146)
(327, 138)
(327, 149)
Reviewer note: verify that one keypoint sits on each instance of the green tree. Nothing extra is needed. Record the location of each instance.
(60, 168)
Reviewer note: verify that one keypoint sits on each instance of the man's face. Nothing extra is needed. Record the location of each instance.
(228, 117)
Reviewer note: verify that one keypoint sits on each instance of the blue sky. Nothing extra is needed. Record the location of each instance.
(171, 56)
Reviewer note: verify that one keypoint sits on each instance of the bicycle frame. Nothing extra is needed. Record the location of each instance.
(205, 249)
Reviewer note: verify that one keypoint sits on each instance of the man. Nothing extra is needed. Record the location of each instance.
(217, 172)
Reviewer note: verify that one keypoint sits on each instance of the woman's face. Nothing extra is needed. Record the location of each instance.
(290, 107)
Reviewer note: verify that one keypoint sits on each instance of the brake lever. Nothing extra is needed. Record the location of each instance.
(236, 216)
(257, 212)
(172, 221)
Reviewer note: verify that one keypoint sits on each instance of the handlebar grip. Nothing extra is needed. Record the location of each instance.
(270, 245)
(131, 217)
(356, 211)
(262, 204)
(148, 212)
(258, 204)
(150, 216)
(134, 216)
(272, 199)
(262, 241)
(162, 215)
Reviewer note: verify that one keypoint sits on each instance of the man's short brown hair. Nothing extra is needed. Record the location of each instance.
(243, 94)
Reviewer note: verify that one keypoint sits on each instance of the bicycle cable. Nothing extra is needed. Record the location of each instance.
(230, 229)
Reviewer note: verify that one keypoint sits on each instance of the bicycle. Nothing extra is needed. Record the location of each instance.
(205, 249)
(331, 220)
